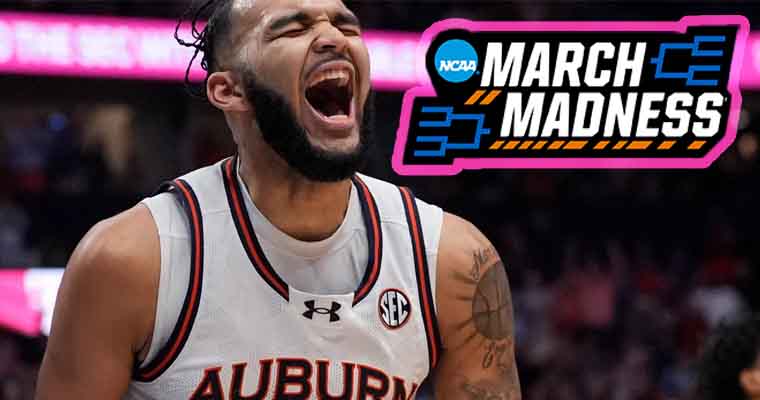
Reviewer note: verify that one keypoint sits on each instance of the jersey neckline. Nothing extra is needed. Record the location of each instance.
(256, 255)
(268, 233)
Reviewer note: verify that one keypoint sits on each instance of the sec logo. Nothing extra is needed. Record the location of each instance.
(394, 308)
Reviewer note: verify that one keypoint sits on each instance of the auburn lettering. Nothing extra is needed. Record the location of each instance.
(301, 379)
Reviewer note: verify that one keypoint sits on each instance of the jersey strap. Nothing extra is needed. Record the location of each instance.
(426, 294)
(181, 332)
(245, 229)
(374, 239)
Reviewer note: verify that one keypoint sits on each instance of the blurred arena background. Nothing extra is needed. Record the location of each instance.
(617, 276)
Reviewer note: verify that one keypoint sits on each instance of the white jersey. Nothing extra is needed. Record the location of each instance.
(241, 331)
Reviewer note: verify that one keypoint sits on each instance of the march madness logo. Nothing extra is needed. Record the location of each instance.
(573, 95)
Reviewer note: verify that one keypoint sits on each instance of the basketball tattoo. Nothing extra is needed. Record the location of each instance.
(491, 303)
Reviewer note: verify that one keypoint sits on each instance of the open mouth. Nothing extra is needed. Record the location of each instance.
(330, 92)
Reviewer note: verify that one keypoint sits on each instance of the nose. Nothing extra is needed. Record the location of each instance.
(330, 39)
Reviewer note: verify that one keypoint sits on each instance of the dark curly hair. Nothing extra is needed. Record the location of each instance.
(207, 40)
(733, 348)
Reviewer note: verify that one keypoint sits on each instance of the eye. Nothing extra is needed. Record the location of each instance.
(294, 32)
(350, 30)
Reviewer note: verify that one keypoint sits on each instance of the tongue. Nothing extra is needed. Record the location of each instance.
(331, 109)
(326, 97)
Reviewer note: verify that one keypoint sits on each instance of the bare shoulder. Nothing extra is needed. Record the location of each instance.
(117, 264)
(470, 272)
(104, 312)
(459, 239)
(475, 317)
(125, 246)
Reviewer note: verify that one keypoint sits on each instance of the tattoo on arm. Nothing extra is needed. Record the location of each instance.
(485, 391)
(496, 352)
(491, 304)
(481, 258)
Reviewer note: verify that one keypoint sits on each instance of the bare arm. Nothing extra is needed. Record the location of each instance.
(104, 311)
(475, 316)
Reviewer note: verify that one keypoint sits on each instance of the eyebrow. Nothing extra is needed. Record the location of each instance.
(284, 21)
(345, 18)
(340, 18)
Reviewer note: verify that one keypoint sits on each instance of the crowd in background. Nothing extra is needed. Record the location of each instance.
(617, 276)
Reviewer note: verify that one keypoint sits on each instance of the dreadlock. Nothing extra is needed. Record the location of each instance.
(733, 349)
(206, 40)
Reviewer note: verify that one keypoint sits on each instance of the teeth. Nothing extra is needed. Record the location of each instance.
(341, 75)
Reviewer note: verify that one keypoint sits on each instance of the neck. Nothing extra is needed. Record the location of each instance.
(303, 209)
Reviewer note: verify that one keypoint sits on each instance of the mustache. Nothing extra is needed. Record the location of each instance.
(333, 57)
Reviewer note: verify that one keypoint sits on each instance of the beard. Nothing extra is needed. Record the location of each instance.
(289, 139)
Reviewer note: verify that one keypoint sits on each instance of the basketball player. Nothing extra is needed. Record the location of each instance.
(730, 367)
(281, 273)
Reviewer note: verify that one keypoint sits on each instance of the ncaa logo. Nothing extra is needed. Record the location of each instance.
(456, 60)
(394, 308)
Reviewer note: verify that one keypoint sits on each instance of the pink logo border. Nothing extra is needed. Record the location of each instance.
(460, 164)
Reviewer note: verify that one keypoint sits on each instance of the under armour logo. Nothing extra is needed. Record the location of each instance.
(311, 309)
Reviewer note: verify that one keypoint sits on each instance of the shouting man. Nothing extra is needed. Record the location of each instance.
(282, 273)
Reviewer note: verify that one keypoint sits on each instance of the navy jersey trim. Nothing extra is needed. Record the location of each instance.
(426, 294)
(171, 350)
(371, 216)
(245, 230)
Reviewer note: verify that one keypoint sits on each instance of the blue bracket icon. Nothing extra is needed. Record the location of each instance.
(695, 52)
(446, 123)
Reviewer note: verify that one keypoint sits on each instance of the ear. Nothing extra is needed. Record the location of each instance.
(750, 380)
(225, 93)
